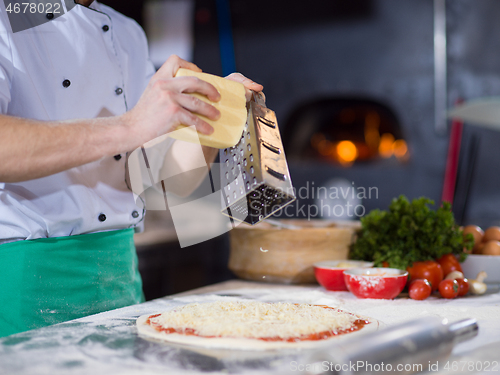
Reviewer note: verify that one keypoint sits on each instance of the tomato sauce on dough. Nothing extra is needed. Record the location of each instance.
(356, 326)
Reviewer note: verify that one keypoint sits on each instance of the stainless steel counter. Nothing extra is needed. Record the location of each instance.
(108, 343)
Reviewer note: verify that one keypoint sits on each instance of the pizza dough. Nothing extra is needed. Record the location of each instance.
(253, 325)
(232, 106)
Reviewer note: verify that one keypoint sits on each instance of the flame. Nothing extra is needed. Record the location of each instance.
(385, 147)
(347, 152)
(400, 148)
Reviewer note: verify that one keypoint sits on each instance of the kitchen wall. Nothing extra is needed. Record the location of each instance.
(381, 50)
(375, 49)
(473, 72)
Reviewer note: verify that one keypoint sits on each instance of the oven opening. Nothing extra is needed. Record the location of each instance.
(344, 131)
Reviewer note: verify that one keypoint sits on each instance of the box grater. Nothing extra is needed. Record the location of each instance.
(254, 173)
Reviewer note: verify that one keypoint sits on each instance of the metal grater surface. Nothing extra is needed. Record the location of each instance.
(254, 173)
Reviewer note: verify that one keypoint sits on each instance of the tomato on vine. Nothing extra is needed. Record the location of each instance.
(449, 263)
(419, 289)
(429, 270)
(463, 286)
(448, 288)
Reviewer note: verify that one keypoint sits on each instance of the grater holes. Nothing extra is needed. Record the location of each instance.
(267, 194)
(227, 162)
(251, 157)
(254, 181)
(248, 135)
(245, 162)
(227, 175)
(249, 147)
(252, 170)
(244, 175)
(248, 185)
(234, 195)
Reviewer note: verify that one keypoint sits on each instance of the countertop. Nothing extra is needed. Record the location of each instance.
(108, 343)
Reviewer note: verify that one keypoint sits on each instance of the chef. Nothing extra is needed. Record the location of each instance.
(76, 94)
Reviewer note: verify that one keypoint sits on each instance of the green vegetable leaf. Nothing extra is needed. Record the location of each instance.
(409, 232)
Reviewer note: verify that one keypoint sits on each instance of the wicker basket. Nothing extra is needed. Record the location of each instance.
(274, 254)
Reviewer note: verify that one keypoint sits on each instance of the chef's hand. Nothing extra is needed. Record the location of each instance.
(174, 63)
(165, 104)
(248, 83)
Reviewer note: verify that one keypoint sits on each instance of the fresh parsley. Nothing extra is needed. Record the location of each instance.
(409, 232)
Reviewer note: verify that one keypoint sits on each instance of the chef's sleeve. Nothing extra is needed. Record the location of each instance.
(6, 65)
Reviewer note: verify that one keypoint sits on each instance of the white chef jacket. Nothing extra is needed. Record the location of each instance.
(87, 63)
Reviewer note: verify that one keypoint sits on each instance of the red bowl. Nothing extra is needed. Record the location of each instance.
(382, 283)
(330, 273)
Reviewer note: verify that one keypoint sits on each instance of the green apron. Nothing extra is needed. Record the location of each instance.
(52, 280)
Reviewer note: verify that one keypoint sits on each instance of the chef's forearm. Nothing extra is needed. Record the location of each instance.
(33, 149)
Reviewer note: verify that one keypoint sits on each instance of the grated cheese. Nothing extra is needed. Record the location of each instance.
(254, 319)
